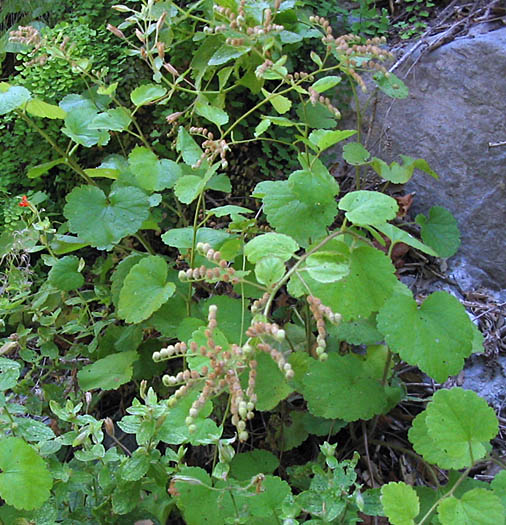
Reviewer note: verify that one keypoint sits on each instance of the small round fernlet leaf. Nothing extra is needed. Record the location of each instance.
(25, 481)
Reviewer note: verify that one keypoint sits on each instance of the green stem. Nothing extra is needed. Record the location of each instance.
(359, 128)
(387, 367)
(144, 243)
(192, 254)
(445, 496)
(9, 416)
(296, 265)
(68, 160)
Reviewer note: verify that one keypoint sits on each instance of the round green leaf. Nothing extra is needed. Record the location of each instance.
(450, 427)
(136, 466)
(226, 53)
(182, 238)
(476, 507)
(78, 128)
(325, 83)
(364, 290)
(400, 503)
(270, 244)
(25, 481)
(269, 270)
(119, 274)
(108, 373)
(266, 503)
(198, 502)
(343, 387)
(12, 97)
(65, 274)
(426, 447)
(247, 464)
(116, 119)
(103, 221)
(9, 373)
(151, 173)
(271, 386)
(499, 486)
(391, 85)
(144, 290)
(436, 337)
(146, 94)
(213, 114)
(327, 267)
(39, 108)
(230, 315)
(303, 206)
(440, 231)
(324, 138)
(188, 188)
(368, 207)
(355, 154)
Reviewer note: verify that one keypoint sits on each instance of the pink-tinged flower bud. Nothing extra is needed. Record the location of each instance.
(121, 8)
(161, 21)
(115, 31)
(160, 46)
(171, 69)
(109, 426)
(140, 36)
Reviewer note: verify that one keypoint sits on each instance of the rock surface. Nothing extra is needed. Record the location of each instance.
(487, 377)
(456, 107)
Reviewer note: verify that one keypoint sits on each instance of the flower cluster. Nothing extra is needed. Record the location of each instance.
(320, 312)
(352, 53)
(260, 303)
(316, 97)
(27, 35)
(237, 22)
(222, 272)
(223, 371)
(30, 36)
(212, 148)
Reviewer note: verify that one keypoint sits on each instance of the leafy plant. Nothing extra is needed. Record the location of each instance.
(288, 322)
(415, 15)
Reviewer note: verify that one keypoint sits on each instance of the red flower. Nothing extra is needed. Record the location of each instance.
(24, 202)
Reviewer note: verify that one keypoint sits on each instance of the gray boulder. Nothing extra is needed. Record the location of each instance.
(456, 108)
